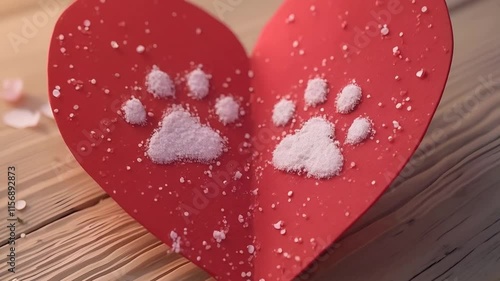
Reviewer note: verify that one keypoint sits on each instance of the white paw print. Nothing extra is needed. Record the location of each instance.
(180, 135)
(313, 148)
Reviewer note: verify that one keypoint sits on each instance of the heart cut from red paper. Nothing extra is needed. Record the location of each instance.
(254, 178)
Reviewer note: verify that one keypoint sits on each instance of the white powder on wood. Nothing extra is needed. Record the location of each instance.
(359, 131)
(312, 149)
(134, 112)
(316, 91)
(283, 111)
(182, 137)
(227, 109)
(198, 83)
(349, 98)
(159, 84)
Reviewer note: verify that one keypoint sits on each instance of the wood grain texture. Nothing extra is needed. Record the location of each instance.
(439, 221)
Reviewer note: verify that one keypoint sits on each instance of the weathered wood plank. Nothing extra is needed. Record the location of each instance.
(49, 179)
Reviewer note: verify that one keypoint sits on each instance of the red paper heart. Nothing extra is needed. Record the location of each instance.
(275, 223)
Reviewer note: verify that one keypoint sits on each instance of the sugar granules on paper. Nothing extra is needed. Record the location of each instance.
(159, 84)
(316, 91)
(348, 98)
(134, 112)
(359, 131)
(198, 83)
(227, 109)
(311, 149)
(181, 136)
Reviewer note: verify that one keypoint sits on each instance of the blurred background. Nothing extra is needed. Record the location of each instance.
(439, 221)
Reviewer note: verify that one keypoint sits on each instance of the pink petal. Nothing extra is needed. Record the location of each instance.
(12, 90)
(21, 118)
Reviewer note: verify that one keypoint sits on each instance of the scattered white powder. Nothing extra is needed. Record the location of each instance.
(134, 112)
(283, 111)
(219, 236)
(176, 242)
(227, 109)
(349, 98)
(316, 91)
(359, 131)
(182, 137)
(312, 149)
(159, 84)
(198, 83)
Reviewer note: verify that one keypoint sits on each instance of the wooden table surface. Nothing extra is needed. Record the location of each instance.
(439, 221)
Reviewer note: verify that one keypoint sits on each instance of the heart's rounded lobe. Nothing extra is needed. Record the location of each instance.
(100, 55)
(382, 46)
